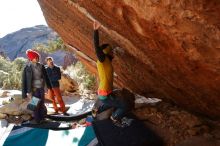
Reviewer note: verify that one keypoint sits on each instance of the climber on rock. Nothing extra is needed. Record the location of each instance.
(106, 98)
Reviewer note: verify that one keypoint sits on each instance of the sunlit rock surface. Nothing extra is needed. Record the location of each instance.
(67, 84)
(167, 49)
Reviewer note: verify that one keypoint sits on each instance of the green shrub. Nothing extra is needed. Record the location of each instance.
(19, 63)
(51, 46)
(11, 73)
(85, 80)
(3, 77)
(5, 64)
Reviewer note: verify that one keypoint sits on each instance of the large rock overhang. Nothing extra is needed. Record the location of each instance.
(164, 49)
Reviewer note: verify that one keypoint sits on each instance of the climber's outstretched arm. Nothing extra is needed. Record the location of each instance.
(99, 53)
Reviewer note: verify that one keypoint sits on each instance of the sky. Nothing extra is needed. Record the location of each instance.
(18, 14)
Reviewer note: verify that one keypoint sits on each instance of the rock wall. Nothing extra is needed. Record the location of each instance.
(167, 49)
(67, 84)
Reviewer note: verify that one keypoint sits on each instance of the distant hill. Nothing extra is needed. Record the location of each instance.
(15, 44)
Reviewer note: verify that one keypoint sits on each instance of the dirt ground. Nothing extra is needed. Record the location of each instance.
(178, 127)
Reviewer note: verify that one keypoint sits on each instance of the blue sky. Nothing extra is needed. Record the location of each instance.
(18, 14)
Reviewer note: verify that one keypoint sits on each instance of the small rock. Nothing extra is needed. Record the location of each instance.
(192, 121)
(4, 94)
(3, 116)
(192, 132)
(174, 112)
(14, 119)
(26, 117)
(16, 107)
(207, 135)
(153, 110)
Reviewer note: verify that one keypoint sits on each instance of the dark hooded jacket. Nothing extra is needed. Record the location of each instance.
(27, 79)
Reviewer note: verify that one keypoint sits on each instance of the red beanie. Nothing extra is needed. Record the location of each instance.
(32, 54)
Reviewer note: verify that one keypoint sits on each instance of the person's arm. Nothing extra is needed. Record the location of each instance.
(57, 75)
(99, 53)
(24, 84)
(46, 78)
(28, 82)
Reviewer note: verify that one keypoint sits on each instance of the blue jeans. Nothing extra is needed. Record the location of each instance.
(112, 102)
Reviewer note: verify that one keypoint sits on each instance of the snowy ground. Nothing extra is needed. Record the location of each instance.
(77, 105)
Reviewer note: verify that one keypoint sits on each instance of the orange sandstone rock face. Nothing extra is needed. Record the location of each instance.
(167, 49)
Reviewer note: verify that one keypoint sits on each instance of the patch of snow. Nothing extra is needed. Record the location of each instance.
(81, 106)
(78, 105)
(142, 99)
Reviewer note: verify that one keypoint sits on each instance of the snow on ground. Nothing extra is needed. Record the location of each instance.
(142, 99)
(77, 105)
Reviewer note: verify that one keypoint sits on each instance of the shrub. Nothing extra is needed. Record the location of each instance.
(19, 63)
(85, 80)
(11, 72)
(5, 64)
(51, 46)
(3, 77)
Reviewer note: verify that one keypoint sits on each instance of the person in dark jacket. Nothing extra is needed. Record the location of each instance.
(54, 75)
(105, 71)
(34, 78)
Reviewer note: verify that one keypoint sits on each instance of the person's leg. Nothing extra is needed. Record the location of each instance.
(43, 109)
(39, 112)
(59, 99)
(111, 101)
(102, 105)
(51, 96)
(120, 107)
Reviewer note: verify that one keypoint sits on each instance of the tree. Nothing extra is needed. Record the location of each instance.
(10, 72)
(51, 46)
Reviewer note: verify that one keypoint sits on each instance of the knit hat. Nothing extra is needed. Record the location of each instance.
(31, 54)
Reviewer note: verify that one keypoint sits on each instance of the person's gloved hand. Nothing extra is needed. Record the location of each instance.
(96, 25)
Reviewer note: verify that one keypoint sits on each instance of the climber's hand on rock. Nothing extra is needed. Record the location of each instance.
(96, 25)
